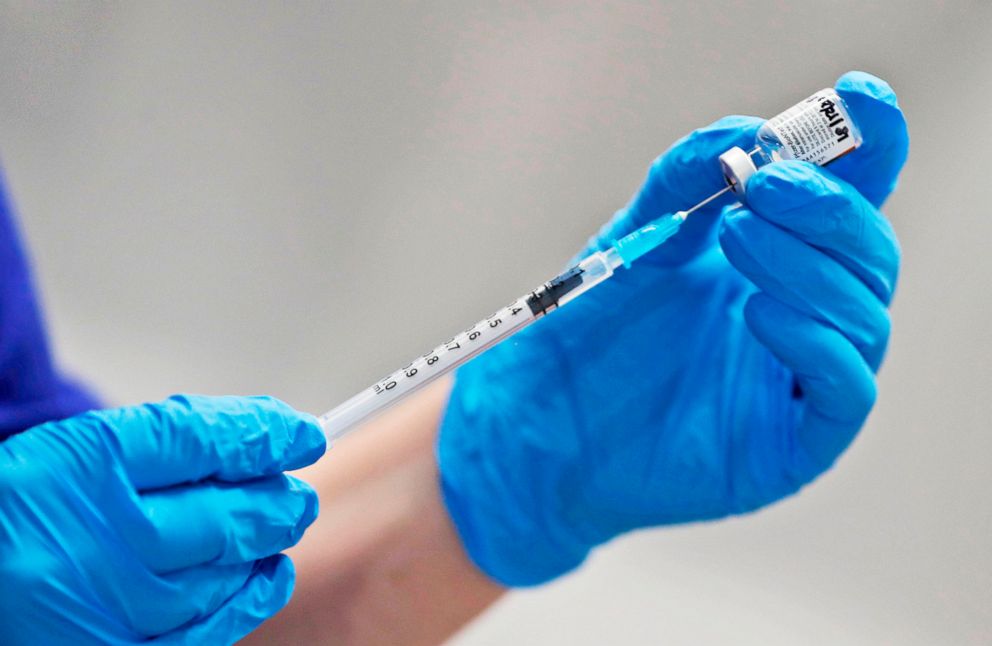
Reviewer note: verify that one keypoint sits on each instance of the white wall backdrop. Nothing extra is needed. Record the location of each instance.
(293, 198)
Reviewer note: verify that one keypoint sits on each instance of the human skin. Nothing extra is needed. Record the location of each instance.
(383, 563)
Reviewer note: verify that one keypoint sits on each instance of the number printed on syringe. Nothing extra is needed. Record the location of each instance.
(466, 345)
(459, 347)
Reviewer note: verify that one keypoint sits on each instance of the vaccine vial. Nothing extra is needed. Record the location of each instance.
(818, 130)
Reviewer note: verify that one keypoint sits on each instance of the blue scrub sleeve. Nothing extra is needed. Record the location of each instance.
(32, 390)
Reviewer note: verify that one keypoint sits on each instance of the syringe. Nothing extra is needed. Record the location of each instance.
(818, 129)
(589, 272)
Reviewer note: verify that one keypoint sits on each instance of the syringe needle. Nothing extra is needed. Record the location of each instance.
(706, 201)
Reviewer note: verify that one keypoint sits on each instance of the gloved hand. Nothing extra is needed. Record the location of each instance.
(719, 374)
(160, 522)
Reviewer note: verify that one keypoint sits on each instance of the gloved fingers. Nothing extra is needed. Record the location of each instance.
(187, 438)
(684, 175)
(832, 215)
(177, 598)
(837, 384)
(806, 279)
(223, 523)
(874, 167)
(266, 593)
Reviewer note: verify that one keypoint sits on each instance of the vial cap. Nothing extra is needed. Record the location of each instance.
(737, 169)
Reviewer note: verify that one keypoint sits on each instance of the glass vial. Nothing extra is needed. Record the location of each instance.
(818, 130)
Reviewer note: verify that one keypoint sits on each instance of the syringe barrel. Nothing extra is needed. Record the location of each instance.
(426, 368)
(462, 347)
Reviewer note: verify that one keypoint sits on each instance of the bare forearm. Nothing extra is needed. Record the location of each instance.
(382, 564)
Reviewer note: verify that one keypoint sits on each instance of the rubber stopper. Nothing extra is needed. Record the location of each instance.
(737, 169)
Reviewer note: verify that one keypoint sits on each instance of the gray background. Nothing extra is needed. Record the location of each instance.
(294, 199)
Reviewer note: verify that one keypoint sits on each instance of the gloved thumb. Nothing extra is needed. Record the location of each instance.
(874, 167)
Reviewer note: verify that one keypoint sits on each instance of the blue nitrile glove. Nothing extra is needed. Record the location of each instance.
(32, 391)
(719, 374)
(160, 522)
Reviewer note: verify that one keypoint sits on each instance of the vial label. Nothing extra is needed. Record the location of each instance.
(817, 130)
